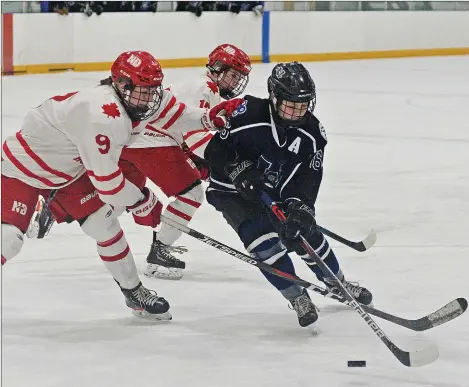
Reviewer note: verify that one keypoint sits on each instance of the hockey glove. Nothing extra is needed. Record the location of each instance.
(217, 117)
(147, 211)
(247, 180)
(300, 220)
(200, 163)
(202, 166)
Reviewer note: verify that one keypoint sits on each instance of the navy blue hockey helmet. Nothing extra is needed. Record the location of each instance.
(292, 93)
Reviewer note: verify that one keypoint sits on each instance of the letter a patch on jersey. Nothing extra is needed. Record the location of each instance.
(295, 145)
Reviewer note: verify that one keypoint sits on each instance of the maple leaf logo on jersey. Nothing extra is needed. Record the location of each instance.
(111, 110)
(213, 87)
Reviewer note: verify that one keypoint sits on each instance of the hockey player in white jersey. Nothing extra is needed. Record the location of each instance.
(70, 145)
(174, 161)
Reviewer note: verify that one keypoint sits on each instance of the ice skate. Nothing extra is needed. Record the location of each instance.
(361, 294)
(305, 309)
(146, 303)
(162, 263)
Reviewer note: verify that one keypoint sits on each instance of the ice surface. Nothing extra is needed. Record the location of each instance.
(397, 160)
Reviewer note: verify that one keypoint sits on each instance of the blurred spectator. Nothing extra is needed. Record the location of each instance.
(61, 7)
(238, 6)
(146, 6)
(190, 6)
(256, 6)
(95, 6)
(98, 7)
(197, 7)
(209, 5)
(64, 7)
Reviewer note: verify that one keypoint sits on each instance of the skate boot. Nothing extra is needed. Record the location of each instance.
(163, 264)
(305, 309)
(146, 303)
(361, 294)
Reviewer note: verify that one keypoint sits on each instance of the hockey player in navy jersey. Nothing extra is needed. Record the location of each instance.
(276, 145)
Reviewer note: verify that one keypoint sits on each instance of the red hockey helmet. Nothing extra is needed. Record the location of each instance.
(231, 67)
(137, 77)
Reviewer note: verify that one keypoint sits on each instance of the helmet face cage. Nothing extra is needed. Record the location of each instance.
(231, 67)
(141, 102)
(292, 94)
(137, 78)
(293, 111)
(230, 81)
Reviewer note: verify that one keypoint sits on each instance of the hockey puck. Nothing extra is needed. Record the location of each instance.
(356, 363)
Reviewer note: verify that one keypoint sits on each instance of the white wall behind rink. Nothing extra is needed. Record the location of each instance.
(167, 35)
(321, 32)
(76, 38)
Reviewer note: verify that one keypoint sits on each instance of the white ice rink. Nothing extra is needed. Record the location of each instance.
(397, 160)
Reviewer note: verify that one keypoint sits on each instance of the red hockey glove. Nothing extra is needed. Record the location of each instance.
(217, 117)
(200, 163)
(147, 211)
(202, 166)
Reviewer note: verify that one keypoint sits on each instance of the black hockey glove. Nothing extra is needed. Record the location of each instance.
(300, 220)
(247, 180)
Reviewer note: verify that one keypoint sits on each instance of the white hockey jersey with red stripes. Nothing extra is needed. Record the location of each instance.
(160, 132)
(83, 132)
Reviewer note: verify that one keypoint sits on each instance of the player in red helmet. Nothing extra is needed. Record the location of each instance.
(170, 147)
(229, 68)
(179, 155)
(68, 150)
(137, 80)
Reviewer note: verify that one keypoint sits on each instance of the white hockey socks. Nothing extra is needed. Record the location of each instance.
(180, 210)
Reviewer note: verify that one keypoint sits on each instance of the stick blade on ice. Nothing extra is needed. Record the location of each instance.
(370, 240)
(423, 356)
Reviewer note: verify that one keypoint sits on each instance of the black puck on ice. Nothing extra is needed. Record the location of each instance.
(356, 363)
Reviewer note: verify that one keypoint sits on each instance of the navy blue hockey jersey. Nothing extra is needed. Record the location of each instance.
(291, 160)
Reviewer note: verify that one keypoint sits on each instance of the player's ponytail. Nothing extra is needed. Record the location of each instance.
(107, 81)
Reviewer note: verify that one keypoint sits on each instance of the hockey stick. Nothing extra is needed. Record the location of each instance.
(43, 219)
(447, 313)
(46, 219)
(416, 358)
(361, 246)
